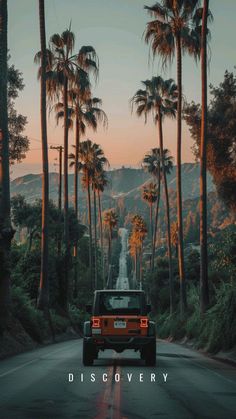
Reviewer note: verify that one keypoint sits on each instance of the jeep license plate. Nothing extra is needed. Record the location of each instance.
(118, 324)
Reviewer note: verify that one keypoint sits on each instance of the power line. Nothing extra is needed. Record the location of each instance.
(39, 141)
(37, 149)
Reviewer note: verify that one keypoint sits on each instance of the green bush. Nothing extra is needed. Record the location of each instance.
(170, 326)
(60, 323)
(193, 320)
(31, 319)
(77, 317)
(219, 323)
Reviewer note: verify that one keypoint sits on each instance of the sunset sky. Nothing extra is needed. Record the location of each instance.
(114, 28)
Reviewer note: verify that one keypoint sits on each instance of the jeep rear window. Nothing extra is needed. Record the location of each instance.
(119, 304)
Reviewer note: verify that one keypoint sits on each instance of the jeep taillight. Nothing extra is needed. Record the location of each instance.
(96, 322)
(144, 322)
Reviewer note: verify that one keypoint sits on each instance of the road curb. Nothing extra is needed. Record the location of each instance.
(222, 359)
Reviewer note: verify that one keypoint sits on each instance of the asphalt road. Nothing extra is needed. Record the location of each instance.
(36, 385)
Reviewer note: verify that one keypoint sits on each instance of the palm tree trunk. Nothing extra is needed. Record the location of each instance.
(141, 268)
(109, 256)
(95, 240)
(183, 300)
(77, 141)
(135, 267)
(90, 233)
(156, 222)
(151, 223)
(101, 237)
(204, 292)
(167, 213)
(59, 198)
(43, 294)
(66, 201)
(6, 231)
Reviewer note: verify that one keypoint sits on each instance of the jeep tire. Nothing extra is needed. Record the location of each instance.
(88, 353)
(150, 354)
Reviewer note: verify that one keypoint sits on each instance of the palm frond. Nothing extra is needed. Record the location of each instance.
(68, 39)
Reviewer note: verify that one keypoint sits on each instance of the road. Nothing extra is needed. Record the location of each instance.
(36, 385)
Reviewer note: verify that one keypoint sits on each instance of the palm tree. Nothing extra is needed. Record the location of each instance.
(87, 113)
(152, 164)
(100, 181)
(43, 296)
(159, 98)
(6, 231)
(149, 195)
(172, 32)
(204, 292)
(96, 179)
(174, 236)
(110, 220)
(138, 234)
(92, 159)
(64, 68)
(133, 250)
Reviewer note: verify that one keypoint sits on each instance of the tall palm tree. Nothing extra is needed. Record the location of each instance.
(64, 68)
(43, 296)
(138, 234)
(87, 113)
(173, 32)
(149, 195)
(152, 164)
(96, 179)
(204, 292)
(91, 159)
(133, 250)
(174, 236)
(110, 220)
(6, 231)
(100, 181)
(159, 98)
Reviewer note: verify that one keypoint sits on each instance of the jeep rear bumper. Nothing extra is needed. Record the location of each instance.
(120, 343)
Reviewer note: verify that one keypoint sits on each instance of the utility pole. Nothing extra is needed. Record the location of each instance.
(60, 150)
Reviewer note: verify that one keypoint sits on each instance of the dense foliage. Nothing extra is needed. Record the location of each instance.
(26, 261)
(18, 142)
(221, 154)
(217, 329)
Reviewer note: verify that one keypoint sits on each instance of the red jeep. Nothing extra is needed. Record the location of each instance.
(119, 321)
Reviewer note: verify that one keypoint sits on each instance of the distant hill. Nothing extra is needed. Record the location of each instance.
(122, 182)
(124, 193)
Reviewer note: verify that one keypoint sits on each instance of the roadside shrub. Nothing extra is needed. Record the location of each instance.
(170, 326)
(60, 324)
(219, 324)
(31, 319)
(77, 317)
(193, 320)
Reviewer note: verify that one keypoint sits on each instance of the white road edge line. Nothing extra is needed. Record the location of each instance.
(199, 359)
(214, 372)
(31, 362)
(18, 368)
